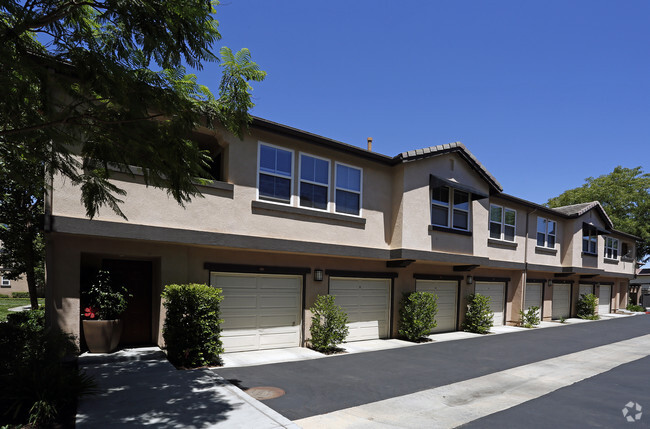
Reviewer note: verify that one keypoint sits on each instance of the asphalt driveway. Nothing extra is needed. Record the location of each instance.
(324, 385)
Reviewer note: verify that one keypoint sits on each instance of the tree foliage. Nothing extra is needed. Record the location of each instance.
(625, 195)
(105, 80)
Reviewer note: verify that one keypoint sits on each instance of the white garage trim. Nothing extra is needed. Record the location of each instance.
(561, 301)
(259, 311)
(367, 303)
(447, 302)
(533, 297)
(604, 299)
(497, 293)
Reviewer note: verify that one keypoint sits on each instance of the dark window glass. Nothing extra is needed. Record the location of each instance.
(347, 202)
(313, 196)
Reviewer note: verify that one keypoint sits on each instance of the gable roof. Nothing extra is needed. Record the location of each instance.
(412, 155)
(577, 210)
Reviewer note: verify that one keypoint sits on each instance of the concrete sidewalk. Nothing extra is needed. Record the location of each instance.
(139, 387)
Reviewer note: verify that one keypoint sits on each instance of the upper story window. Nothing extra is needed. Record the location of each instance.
(5, 282)
(502, 223)
(611, 248)
(626, 250)
(348, 189)
(314, 182)
(546, 232)
(275, 173)
(589, 240)
(450, 207)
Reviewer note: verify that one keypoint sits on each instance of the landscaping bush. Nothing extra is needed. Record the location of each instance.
(192, 329)
(328, 324)
(38, 385)
(587, 306)
(529, 318)
(479, 318)
(20, 294)
(417, 315)
(632, 307)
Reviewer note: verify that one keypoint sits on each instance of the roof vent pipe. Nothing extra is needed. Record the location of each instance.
(369, 144)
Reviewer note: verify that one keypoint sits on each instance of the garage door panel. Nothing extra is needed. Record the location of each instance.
(259, 311)
(496, 292)
(585, 289)
(561, 301)
(447, 294)
(366, 301)
(604, 299)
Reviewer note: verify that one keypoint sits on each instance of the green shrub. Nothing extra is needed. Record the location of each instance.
(586, 306)
(417, 315)
(529, 318)
(103, 299)
(20, 294)
(632, 307)
(4, 295)
(328, 324)
(192, 329)
(479, 318)
(37, 384)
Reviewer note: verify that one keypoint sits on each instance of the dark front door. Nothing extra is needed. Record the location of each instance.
(137, 277)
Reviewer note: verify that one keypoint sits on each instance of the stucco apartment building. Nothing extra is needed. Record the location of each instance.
(295, 215)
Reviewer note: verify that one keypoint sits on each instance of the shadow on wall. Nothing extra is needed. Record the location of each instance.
(141, 393)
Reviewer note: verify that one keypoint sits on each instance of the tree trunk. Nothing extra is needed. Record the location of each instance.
(30, 272)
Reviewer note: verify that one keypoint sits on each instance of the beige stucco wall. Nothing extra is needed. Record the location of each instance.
(18, 285)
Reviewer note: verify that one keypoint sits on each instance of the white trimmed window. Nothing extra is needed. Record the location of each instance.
(502, 223)
(5, 282)
(611, 248)
(275, 173)
(590, 240)
(546, 232)
(450, 207)
(348, 189)
(314, 182)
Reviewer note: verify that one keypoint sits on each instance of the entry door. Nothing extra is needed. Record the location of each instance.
(585, 289)
(604, 299)
(533, 297)
(259, 311)
(447, 302)
(561, 301)
(496, 292)
(367, 303)
(137, 319)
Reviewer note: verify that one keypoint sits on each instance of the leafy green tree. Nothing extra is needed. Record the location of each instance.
(21, 211)
(586, 306)
(625, 195)
(328, 324)
(417, 315)
(86, 85)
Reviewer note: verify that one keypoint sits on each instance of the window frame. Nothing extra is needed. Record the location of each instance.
(336, 188)
(5, 282)
(502, 224)
(612, 252)
(291, 178)
(300, 181)
(546, 233)
(451, 207)
(592, 236)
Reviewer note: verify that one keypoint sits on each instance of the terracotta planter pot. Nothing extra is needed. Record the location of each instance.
(102, 336)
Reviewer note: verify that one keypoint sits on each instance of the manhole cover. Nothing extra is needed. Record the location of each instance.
(265, 392)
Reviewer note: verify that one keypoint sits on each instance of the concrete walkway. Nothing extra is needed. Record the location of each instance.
(139, 387)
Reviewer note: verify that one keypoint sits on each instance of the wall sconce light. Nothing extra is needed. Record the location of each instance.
(470, 280)
(318, 275)
(550, 282)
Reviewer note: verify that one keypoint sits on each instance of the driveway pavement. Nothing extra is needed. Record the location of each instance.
(320, 386)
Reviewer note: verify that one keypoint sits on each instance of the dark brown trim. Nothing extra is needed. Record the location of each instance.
(465, 268)
(587, 283)
(505, 303)
(399, 263)
(255, 269)
(417, 276)
(391, 307)
(571, 299)
(361, 274)
(541, 310)
(606, 283)
(563, 282)
(458, 298)
(543, 281)
(492, 279)
(449, 230)
(303, 341)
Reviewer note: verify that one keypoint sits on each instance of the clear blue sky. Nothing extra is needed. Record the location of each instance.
(544, 93)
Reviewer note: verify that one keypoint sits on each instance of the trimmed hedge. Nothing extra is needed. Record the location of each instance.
(20, 294)
(328, 324)
(417, 315)
(192, 329)
(479, 317)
